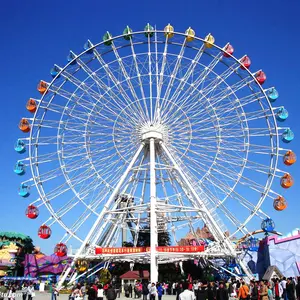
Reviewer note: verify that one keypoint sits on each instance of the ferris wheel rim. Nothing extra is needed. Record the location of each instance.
(263, 91)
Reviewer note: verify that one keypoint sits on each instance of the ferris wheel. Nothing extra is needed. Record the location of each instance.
(154, 130)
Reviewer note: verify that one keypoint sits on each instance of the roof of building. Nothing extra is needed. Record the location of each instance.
(271, 272)
(143, 274)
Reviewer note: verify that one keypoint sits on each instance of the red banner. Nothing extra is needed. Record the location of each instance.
(170, 249)
(185, 249)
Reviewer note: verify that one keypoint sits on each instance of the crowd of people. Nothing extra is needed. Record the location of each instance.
(26, 290)
(275, 289)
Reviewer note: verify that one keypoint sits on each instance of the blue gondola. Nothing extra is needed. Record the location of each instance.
(272, 94)
(71, 58)
(287, 136)
(87, 46)
(19, 168)
(54, 71)
(24, 190)
(20, 146)
(267, 225)
(282, 114)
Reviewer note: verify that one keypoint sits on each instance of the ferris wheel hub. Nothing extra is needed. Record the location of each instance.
(158, 132)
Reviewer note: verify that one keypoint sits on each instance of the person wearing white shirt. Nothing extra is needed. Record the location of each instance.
(283, 284)
(100, 292)
(186, 294)
(30, 291)
(152, 291)
(195, 288)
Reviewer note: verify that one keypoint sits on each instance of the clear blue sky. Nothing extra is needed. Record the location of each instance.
(35, 35)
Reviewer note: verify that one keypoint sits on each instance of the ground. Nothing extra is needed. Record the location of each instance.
(44, 296)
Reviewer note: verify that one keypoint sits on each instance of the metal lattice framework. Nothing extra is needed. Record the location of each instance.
(154, 130)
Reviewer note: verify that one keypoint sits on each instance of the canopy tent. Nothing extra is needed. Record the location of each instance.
(35, 265)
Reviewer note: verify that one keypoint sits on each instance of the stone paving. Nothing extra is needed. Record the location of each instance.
(47, 296)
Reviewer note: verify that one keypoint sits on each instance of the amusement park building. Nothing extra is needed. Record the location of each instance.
(282, 252)
(13, 248)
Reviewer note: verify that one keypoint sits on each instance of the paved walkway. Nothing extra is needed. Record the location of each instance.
(47, 296)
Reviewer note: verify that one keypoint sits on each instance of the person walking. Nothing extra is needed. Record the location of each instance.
(54, 292)
(270, 291)
(3, 290)
(283, 284)
(180, 288)
(186, 294)
(130, 290)
(91, 293)
(160, 291)
(31, 293)
(111, 293)
(254, 290)
(222, 292)
(263, 291)
(290, 289)
(173, 289)
(298, 288)
(145, 291)
(211, 291)
(77, 294)
(100, 292)
(202, 292)
(24, 291)
(278, 290)
(152, 291)
(12, 293)
(243, 291)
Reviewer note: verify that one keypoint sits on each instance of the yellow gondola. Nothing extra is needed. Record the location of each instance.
(169, 31)
(209, 41)
(190, 34)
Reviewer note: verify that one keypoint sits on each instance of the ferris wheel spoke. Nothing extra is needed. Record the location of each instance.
(210, 86)
(159, 76)
(196, 82)
(220, 185)
(216, 179)
(180, 202)
(174, 72)
(116, 82)
(113, 97)
(128, 80)
(139, 80)
(89, 104)
(238, 225)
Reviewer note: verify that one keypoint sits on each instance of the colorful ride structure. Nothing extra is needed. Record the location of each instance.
(13, 248)
(181, 126)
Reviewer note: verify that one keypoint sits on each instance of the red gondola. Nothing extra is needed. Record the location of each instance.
(44, 232)
(32, 212)
(61, 249)
(246, 62)
(260, 77)
(228, 50)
